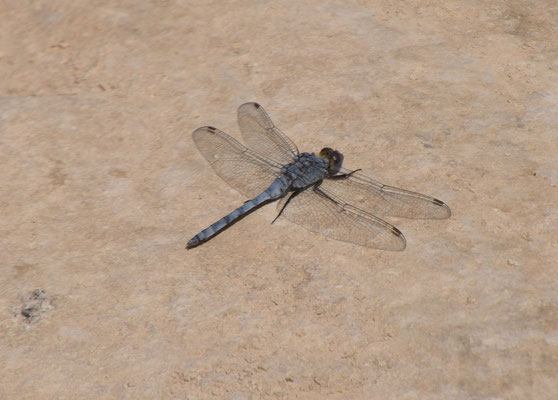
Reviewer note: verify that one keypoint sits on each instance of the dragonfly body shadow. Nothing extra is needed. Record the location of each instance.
(314, 191)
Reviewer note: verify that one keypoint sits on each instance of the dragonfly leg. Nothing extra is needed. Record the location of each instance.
(295, 193)
(321, 192)
(344, 176)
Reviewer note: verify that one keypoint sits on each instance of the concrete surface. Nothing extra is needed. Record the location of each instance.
(101, 187)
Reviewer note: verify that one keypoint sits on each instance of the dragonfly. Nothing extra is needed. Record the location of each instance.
(312, 190)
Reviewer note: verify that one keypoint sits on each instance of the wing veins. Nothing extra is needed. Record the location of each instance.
(379, 199)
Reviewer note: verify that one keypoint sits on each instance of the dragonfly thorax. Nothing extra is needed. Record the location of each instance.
(305, 170)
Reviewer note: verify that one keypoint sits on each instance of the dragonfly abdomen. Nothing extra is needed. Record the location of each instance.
(277, 189)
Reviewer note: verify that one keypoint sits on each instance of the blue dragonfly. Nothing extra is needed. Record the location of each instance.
(314, 191)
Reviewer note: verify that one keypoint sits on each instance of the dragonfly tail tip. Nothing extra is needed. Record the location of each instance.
(193, 243)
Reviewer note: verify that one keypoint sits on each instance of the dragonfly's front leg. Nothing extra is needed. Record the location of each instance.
(344, 176)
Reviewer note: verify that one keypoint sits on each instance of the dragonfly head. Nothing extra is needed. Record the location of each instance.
(334, 158)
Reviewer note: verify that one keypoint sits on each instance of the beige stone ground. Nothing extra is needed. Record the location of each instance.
(101, 187)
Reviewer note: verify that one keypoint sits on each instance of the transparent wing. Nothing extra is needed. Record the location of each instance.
(244, 170)
(379, 199)
(261, 135)
(329, 217)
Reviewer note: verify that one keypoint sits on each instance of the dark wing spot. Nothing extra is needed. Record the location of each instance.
(396, 231)
(257, 105)
(438, 202)
(212, 129)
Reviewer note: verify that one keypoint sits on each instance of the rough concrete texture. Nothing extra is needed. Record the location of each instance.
(101, 187)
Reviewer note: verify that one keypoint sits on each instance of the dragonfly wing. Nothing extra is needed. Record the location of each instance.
(379, 199)
(320, 213)
(261, 135)
(244, 170)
